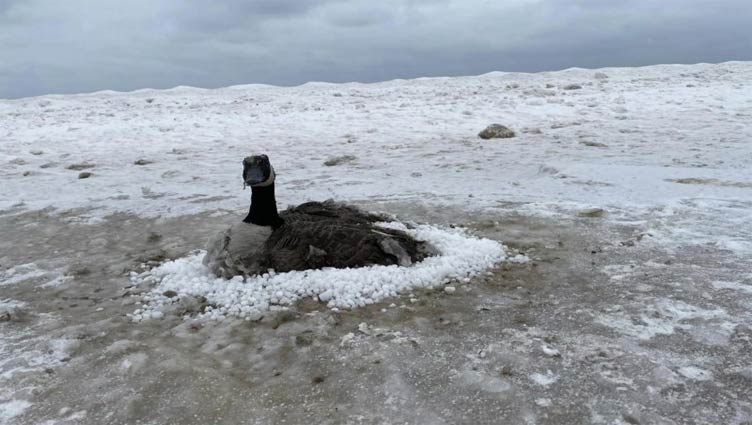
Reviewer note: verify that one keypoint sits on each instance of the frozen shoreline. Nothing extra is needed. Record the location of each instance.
(603, 322)
(640, 137)
(631, 196)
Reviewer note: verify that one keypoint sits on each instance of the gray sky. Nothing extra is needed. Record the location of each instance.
(70, 46)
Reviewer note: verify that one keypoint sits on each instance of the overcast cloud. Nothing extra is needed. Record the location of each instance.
(51, 46)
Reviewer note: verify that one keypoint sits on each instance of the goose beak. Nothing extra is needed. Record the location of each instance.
(253, 175)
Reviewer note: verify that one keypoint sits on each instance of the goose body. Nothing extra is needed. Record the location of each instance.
(237, 250)
(312, 235)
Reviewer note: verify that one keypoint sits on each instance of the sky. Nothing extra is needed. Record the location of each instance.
(74, 46)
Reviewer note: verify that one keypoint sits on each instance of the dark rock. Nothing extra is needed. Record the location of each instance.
(592, 212)
(78, 270)
(305, 339)
(337, 160)
(593, 144)
(80, 166)
(170, 294)
(154, 255)
(572, 87)
(630, 419)
(143, 162)
(496, 131)
(84, 175)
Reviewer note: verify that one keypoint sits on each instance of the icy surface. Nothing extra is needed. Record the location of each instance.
(544, 379)
(461, 256)
(663, 318)
(632, 197)
(25, 352)
(11, 409)
(644, 136)
(33, 273)
(695, 373)
(20, 273)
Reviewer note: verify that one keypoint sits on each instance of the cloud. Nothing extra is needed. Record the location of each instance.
(79, 45)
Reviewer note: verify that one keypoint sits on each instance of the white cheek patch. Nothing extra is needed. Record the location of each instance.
(268, 181)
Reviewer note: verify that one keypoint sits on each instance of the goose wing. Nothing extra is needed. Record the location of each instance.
(328, 234)
(331, 210)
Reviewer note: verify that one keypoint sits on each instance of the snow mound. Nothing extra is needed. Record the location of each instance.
(461, 256)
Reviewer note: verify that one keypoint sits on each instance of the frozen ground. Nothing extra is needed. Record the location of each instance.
(639, 314)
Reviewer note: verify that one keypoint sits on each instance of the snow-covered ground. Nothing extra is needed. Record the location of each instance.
(669, 133)
(639, 313)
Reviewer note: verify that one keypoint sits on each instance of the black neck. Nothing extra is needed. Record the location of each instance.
(263, 210)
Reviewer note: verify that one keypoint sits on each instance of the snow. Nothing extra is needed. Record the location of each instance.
(550, 351)
(665, 149)
(544, 379)
(57, 281)
(736, 286)
(671, 133)
(20, 274)
(461, 256)
(11, 409)
(19, 357)
(33, 272)
(695, 373)
(543, 402)
(7, 304)
(664, 317)
(24, 351)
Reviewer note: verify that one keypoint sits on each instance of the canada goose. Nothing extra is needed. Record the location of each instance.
(310, 236)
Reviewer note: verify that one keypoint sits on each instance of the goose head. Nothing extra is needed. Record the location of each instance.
(257, 171)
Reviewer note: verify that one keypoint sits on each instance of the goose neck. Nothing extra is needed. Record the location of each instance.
(263, 210)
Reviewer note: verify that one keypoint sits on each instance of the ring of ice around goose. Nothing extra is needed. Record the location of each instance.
(461, 255)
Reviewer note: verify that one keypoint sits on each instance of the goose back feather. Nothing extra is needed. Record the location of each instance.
(331, 234)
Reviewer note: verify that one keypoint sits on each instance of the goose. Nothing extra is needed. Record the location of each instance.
(312, 235)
